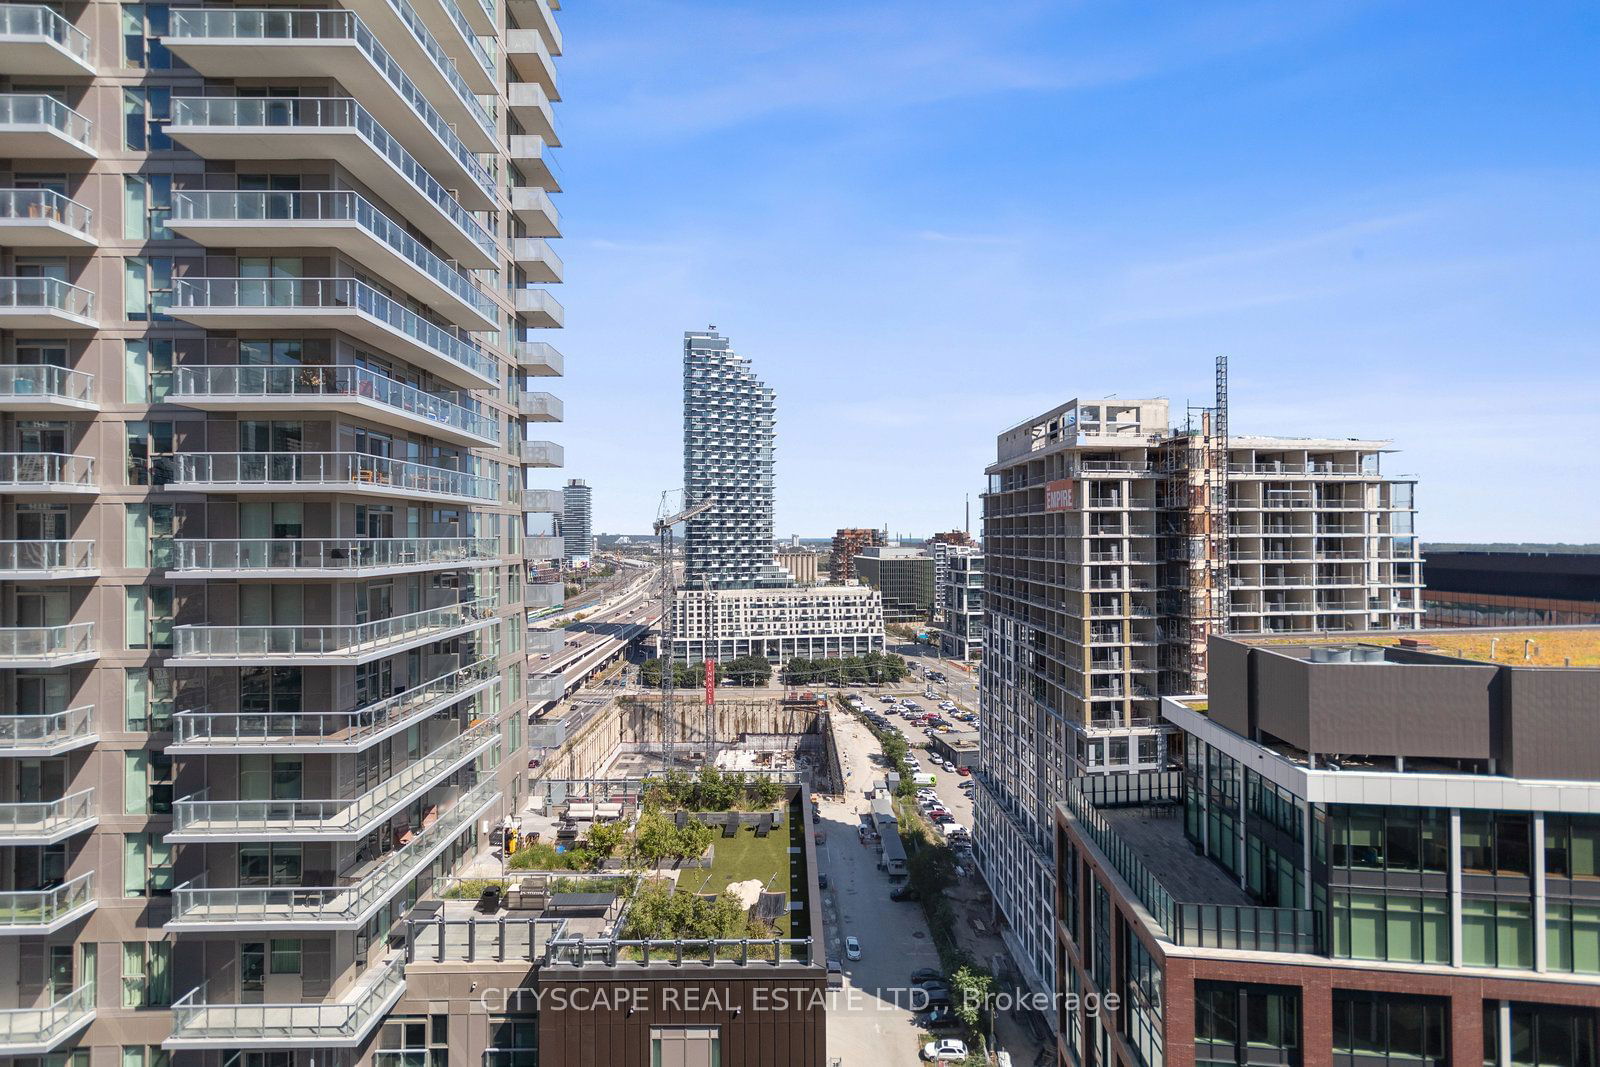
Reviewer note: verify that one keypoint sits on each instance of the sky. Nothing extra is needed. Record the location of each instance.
(927, 221)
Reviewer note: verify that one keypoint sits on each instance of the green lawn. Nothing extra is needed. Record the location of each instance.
(742, 857)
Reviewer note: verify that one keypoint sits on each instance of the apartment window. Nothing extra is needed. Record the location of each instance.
(1572, 846)
(1394, 839)
(1236, 1023)
(1375, 925)
(147, 699)
(149, 616)
(146, 207)
(146, 866)
(150, 450)
(143, 27)
(146, 974)
(270, 864)
(79, 1058)
(1544, 1035)
(146, 113)
(147, 288)
(1100, 958)
(284, 955)
(1572, 937)
(1495, 842)
(1067, 879)
(514, 1042)
(685, 1046)
(1371, 1028)
(147, 783)
(147, 538)
(271, 690)
(1142, 992)
(147, 370)
(1497, 932)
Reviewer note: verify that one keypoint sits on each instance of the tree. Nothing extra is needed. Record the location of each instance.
(747, 670)
(602, 840)
(797, 671)
(766, 792)
(654, 838)
(853, 669)
(970, 990)
(692, 839)
(650, 673)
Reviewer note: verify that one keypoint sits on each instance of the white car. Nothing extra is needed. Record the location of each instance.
(852, 948)
(945, 1050)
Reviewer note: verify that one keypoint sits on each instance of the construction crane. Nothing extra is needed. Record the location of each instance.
(668, 516)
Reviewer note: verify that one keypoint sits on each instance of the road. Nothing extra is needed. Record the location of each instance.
(869, 1021)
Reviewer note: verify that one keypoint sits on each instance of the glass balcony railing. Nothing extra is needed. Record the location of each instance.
(43, 382)
(44, 907)
(37, 20)
(435, 50)
(43, 1027)
(194, 903)
(331, 294)
(279, 24)
(195, 1018)
(333, 639)
(45, 294)
(301, 469)
(249, 382)
(333, 555)
(329, 205)
(43, 558)
(20, 471)
(47, 642)
(46, 818)
(328, 113)
(198, 815)
(45, 205)
(40, 109)
(198, 729)
(26, 733)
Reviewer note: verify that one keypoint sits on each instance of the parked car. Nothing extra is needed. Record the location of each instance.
(941, 1018)
(904, 893)
(965, 772)
(835, 974)
(852, 948)
(822, 881)
(926, 974)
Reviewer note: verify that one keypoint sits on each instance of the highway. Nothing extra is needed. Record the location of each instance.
(602, 637)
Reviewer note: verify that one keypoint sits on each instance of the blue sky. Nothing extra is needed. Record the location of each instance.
(927, 221)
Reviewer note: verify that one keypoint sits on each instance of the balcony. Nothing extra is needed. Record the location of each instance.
(198, 818)
(529, 153)
(530, 60)
(335, 219)
(47, 822)
(540, 407)
(537, 14)
(344, 388)
(545, 688)
(47, 560)
(327, 472)
(539, 359)
(537, 260)
(536, 212)
(543, 546)
(47, 735)
(35, 1031)
(546, 642)
(340, 130)
(34, 39)
(45, 304)
(531, 107)
(38, 126)
(211, 732)
(538, 308)
(329, 644)
(43, 218)
(201, 1019)
(545, 501)
(48, 646)
(43, 389)
(544, 594)
(472, 49)
(345, 557)
(44, 911)
(541, 454)
(196, 906)
(334, 304)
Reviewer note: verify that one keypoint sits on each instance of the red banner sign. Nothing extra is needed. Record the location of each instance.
(1060, 496)
(711, 682)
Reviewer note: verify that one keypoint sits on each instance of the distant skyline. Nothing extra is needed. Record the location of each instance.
(927, 222)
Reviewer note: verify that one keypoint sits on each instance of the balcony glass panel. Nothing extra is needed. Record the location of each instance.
(234, 642)
(292, 469)
(51, 294)
(346, 729)
(194, 903)
(44, 204)
(36, 20)
(47, 817)
(338, 25)
(35, 1028)
(24, 732)
(43, 557)
(41, 382)
(329, 206)
(42, 907)
(343, 554)
(336, 294)
(37, 109)
(332, 113)
(352, 816)
(198, 1017)
(341, 380)
(45, 642)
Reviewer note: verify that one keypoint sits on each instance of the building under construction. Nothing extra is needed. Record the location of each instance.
(1115, 544)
